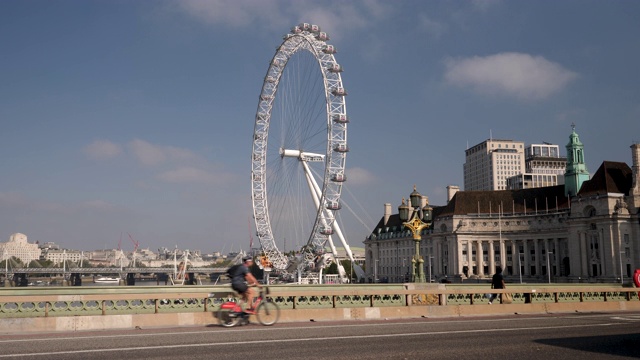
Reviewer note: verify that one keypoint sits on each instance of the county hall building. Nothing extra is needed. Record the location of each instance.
(587, 229)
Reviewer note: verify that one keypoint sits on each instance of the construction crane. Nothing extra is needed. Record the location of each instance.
(136, 244)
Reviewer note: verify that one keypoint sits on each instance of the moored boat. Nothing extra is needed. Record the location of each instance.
(106, 280)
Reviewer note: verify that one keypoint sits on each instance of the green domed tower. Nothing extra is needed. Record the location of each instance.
(576, 172)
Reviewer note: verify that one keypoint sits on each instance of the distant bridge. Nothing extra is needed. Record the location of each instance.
(111, 270)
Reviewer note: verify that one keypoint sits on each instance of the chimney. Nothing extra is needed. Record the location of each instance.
(451, 191)
(387, 213)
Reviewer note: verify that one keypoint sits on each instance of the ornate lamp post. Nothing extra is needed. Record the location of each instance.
(416, 224)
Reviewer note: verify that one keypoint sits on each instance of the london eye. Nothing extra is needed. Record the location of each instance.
(299, 152)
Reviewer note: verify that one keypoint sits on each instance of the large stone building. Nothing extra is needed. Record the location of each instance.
(58, 256)
(587, 230)
(18, 247)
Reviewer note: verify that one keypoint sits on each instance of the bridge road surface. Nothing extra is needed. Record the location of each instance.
(564, 336)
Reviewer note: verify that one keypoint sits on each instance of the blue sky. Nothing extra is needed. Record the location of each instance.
(136, 117)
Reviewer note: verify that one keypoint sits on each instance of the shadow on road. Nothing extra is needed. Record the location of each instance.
(621, 345)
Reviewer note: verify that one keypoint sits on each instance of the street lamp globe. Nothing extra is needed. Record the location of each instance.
(403, 211)
(427, 213)
(416, 198)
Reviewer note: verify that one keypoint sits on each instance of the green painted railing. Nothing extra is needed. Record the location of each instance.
(79, 301)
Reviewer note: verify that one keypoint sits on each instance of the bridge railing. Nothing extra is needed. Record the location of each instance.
(61, 301)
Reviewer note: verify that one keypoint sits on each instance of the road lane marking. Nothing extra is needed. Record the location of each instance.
(329, 338)
(627, 318)
(319, 325)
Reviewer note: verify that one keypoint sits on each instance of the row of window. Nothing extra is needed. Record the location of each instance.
(509, 156)
(506, 146)
(546, 151)
(389, 257)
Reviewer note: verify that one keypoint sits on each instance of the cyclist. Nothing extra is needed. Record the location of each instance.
(242, 280)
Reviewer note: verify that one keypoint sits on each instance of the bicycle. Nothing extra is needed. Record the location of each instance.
(231, 314)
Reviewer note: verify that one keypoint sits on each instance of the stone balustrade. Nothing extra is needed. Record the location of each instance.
(91, 308)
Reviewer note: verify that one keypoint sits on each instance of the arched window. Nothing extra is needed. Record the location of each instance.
(589, 211)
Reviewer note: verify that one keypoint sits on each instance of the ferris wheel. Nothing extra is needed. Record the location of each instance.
(299, 151)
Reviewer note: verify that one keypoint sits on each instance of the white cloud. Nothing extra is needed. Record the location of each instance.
(512, 74)
(97, 205)
(484, 5)
(571, 115)
(147, 153)
(150, 154)
(25, 204)
(171, 165)
(334, 17)
(359, 176)
(339, 17)
(20, 204)
(194, 175)
(234, 13)
(430, 26)
(102, 149)
(10, 200)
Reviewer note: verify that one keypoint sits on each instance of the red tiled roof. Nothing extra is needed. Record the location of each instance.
(510, 201)
(611, 177)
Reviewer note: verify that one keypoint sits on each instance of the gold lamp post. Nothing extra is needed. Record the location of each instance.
(416, 225)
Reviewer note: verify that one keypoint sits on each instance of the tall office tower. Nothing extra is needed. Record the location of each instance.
(488, 164)
(543, 165)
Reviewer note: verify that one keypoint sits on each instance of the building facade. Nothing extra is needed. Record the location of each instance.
(543, 167)
(58, 256)
(535, 234)
(489, 164)
(19, 247)
(544, 159)
(528, 181)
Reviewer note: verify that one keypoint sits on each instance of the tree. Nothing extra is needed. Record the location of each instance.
(333, 268)
(85, 264)
(35, 264)
(14, 262)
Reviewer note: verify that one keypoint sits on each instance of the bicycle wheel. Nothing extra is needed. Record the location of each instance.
(267, 313)
(226, 318)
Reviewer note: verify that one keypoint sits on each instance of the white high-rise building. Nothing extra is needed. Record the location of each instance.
(19, 247)
(489, 164)
(544, 167)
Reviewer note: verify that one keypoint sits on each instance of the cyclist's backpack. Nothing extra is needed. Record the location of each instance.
(233, 270)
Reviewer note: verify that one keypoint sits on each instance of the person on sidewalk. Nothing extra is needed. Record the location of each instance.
(497, 282)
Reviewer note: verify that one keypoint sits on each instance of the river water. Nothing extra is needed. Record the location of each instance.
(88, 281)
